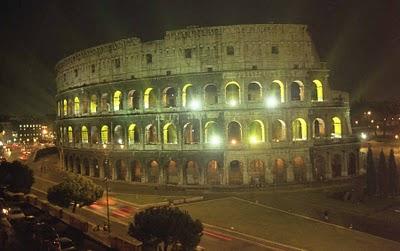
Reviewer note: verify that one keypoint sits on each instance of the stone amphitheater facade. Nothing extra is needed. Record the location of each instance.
(224, 105)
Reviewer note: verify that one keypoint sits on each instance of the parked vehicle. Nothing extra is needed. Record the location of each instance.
(14, 213)
(67, 244)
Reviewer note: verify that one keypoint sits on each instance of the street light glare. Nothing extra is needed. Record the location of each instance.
(271, 102)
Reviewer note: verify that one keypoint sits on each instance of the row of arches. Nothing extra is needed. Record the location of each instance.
(188, 97)
(192, 173)
(191, 133)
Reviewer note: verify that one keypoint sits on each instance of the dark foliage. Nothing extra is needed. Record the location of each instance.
(382, 175)
(371, 173)
(393, 174)
(16, 176)
(167, 224)
(74, 189)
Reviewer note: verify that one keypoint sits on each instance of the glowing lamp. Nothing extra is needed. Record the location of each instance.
(232, 102)
(233, 141)
(119, 141)
(271, 102)
(104, 146)
(215, 140)
(195, 105)
(396, 136)
(253, 140)
(363, 135)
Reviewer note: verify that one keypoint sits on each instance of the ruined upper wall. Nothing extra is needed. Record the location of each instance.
(192, 50)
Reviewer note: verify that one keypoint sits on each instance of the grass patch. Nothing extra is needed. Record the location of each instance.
(143, 199)
(273, 225)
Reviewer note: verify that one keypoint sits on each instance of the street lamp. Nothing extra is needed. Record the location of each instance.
(108, 206)
(106, 181)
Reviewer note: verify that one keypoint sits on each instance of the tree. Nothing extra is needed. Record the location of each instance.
(393, 175)
(167, 224)
(16, 176)
(74, 189)
(371, 173)
(382, 175)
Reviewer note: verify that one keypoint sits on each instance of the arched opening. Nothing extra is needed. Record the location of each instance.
(192, 172)
(94, 135)
(136, 171)
(234, 133)
(86, 168)
(169, 97)
(77, 107)
(277, 91)
(151, 134)
(256, 132)
(336, 165)
(278, 130)
(336, 128)
(133, 100)
(104, 135)
(133, 134)
(299, 129)
(70, 134)
(118, 135)
(297, 91)
(65, 107)
(117, 101)
(232, 94)
(214, 174)
(317, 92)
(257, 172)
(85, 105)
(211, 133)
(211, 95)
(169, 134)
(235, 173)
(120, 170)
(154, 172)
(279, 171)
(96, 169)
(150, 99)
(84, 135)
(299, 169)
(352, 164)
(254, 93)
(318, 128)
(319, 168)
(191, 132)
(187, 95)
(93, 104)
(105, 102)
(172, 172)
(77, 166)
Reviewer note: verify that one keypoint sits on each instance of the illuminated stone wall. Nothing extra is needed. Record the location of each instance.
(236, 105)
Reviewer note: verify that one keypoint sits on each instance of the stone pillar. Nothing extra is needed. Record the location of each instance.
(102, 168)
(328, 166)
(245, 174)
(289, 173)
(269, 179)
(345, 164)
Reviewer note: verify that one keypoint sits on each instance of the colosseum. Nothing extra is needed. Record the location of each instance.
(205, 106)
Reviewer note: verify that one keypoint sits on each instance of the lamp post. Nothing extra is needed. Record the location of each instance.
(106, 181)
(108, 206)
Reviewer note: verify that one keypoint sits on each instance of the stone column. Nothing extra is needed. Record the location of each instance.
(245, 174)
(289, 173)
(328, 166)
(181, 176)
(345, 165)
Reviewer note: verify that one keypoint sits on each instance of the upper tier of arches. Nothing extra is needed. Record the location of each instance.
(232, 94)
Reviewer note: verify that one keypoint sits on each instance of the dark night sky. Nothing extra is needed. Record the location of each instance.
(360, 40)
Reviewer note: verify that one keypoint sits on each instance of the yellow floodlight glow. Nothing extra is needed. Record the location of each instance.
(232, 102)
(363, 135)
(233, 141)
(271, 102)
(215, 140)
(195, 104)
(253, 140)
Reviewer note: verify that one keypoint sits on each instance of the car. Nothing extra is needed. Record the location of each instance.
(123, 211)
(46, 237)
(14, 213)
(67, 244)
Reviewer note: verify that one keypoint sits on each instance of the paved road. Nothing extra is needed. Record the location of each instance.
(211, 240)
